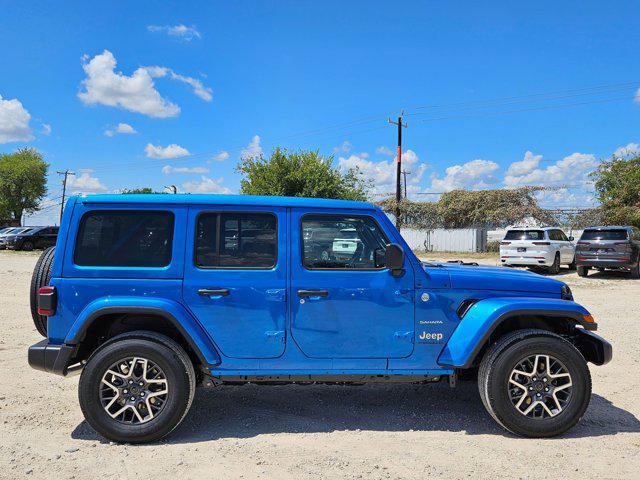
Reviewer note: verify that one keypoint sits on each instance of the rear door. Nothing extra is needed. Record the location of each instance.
(344, 302)
(235, 278)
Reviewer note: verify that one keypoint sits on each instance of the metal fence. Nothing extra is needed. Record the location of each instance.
(472, 240)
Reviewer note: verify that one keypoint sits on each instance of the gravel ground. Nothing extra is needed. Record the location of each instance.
(370, 432)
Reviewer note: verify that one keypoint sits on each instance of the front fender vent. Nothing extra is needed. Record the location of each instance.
(464, 307)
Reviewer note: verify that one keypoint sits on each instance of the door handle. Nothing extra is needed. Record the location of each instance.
(313, 293)
(213, 292)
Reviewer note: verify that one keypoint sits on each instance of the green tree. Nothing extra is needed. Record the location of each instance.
(23, 182)
(472, 208)
(300, 174)
(617, 184)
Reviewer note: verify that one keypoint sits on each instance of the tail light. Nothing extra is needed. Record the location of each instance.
(47, 301)
(505, 243)
(541, 243)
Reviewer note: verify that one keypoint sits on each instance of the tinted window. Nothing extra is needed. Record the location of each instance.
(236, 240)
(332, 241)
(125, 239)
(524, 235)
(604, 235)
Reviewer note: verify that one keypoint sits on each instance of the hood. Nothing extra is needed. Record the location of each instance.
(480, 277)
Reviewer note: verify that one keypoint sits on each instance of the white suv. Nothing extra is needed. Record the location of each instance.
(533, 247)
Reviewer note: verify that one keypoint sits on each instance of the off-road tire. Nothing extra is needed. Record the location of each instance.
(583, 271)
(496, 367)
(165, 353)
(554, 269)
(39, 278)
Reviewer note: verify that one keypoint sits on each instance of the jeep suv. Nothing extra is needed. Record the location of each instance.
(537, 248)
(150, 295)
(615, 248)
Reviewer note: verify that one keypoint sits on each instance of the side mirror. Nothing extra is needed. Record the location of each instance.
(394, 259)
(571, 239)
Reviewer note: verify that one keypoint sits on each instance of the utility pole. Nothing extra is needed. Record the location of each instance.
(66, 173)
(173, 188)
(400, 125)
(404, 174)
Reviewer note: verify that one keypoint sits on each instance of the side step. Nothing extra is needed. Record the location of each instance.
(310, 379)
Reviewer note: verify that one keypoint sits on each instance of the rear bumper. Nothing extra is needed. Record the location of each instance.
(515, 260)
(51, 358)
(604, 263)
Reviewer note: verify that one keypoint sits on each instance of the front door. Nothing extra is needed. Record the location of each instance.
(344, 302)
(235, 278)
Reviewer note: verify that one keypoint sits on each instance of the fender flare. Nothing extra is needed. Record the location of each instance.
(173, 312)
(481, 320)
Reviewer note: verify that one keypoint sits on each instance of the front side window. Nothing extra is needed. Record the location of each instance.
(342, 242)
(236, 240)
(125, 239)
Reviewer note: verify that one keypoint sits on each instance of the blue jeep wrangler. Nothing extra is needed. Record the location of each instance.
(150, 295)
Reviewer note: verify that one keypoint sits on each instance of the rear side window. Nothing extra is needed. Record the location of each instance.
(604, 235)
(524, 235)
(125, 239)
(236, 240)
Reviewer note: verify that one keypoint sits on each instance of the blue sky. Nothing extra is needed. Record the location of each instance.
(132, 94)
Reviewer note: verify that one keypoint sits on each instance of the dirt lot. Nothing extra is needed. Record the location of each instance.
(378, 431)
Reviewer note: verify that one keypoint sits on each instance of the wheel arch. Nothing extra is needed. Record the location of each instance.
(481, 327)
(100, 324)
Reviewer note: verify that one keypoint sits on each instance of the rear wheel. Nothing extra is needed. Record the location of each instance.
(534, 383)
(583, 271)
(635, 270)
(554, 269)
(137, 387)
(40, 277)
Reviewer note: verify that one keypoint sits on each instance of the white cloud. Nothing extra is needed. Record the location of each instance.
(168, 169)
(525, 166)
(205, 93)
(136, 93)
(383, 173)
(122, 128)
(14, 122)
(474, 174)
(180, 31)
(382, 150)
(574, 168)
(85, 183)
(170, 151)
(206, 185)
(46, 129)
(221, 156)
(630, 150)
(253, 149)
(345, 147)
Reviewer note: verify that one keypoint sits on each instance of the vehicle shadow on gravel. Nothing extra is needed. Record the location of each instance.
(251, 410)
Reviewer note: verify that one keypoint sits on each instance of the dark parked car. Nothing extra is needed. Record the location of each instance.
(615, 248)
(31, 238)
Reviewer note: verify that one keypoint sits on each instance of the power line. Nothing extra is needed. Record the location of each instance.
(66, 173)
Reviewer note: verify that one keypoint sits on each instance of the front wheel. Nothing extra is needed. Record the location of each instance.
(534, 383)
(137, 388)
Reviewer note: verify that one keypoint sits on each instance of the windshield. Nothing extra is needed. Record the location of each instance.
(524, 235)
(604, 235)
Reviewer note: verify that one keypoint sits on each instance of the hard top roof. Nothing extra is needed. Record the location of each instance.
(609, 227)
(211, 199)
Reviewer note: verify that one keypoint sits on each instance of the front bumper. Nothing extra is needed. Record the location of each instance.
(52, 358)
(593, 347)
